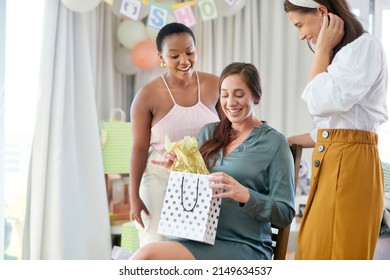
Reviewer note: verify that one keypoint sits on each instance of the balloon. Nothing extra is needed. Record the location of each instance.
(116, 9)
(144, 55)
(81, 6)
(130, 32)
(123, 63)
(152, 32)
(224, 9)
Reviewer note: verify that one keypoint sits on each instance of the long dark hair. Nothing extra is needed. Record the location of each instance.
(352, 26)
(224, 134)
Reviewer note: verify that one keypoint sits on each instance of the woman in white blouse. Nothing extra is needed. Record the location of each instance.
(346, 96)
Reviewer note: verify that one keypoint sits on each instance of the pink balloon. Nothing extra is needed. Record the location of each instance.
(144, 55)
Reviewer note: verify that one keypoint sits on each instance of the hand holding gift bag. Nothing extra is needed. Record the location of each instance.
(116, 140)
(188, 156)
(189, 211)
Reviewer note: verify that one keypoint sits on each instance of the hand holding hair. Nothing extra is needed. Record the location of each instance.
(332, 31)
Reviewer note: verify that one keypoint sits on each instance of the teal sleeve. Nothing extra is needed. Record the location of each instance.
(278, 206)
(206, 132)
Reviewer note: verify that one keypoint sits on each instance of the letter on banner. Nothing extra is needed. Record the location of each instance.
(185, 16)
(131, 9)
(207, 9)
(230, 2)
(157, 16)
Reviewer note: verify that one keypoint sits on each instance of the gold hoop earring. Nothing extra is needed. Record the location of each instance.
(162, 64)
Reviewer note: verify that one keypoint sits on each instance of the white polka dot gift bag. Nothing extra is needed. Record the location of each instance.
(189, 211)
(116, 141)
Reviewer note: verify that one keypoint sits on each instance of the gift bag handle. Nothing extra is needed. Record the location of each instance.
(117, 110)
(182, 192)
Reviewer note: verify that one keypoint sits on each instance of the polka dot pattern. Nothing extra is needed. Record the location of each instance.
(129, 237)
(116, 146)
(189, 211)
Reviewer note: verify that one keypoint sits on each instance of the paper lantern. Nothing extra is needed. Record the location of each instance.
(144, 55)
(81, 6)
(131, 32)
(123, 63)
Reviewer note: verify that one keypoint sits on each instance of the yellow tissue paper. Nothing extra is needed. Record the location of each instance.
(189, 158)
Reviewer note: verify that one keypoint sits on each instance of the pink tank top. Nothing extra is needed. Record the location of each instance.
(181, 121)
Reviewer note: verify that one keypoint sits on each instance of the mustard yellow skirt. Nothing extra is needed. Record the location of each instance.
(343, 214)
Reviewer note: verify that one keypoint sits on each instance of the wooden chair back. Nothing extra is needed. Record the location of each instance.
(280, 235)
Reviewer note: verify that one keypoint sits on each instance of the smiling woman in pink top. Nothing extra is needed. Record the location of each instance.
(177, 104)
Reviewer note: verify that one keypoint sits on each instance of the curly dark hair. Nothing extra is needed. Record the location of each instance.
(171, 28)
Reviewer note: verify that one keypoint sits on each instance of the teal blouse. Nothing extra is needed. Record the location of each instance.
(264, 164)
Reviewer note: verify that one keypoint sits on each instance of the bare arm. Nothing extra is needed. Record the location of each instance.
(141, 119)
(209, 90)
(302, 139)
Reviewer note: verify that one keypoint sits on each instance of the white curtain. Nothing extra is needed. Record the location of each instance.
(67, 214)
(2, 133)
(111, 86)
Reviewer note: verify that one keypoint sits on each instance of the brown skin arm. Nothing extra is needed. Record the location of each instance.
(149, 107)
(141, 118)
(209, 90)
